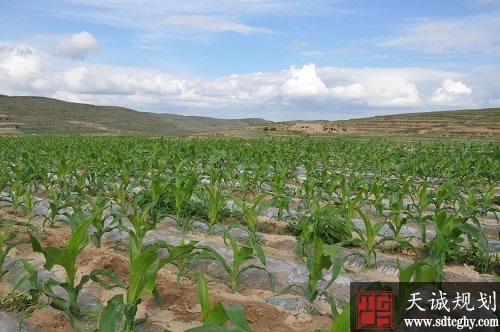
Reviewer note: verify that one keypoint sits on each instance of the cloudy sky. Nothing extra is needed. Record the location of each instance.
(275, 59)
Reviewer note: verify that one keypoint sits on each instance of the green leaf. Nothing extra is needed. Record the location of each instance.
(260, 254)
(236, 314)
(95, 276)
(343, 321)
(112, 315)
(218, 315)
(142, 274)
(203, 297)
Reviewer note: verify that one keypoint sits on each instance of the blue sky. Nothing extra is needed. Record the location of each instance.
(275, 59)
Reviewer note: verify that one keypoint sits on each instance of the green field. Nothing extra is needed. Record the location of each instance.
(348, 204)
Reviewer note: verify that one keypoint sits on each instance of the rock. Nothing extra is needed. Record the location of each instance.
(42, 209)
(169, 220)
(288, 245)
(494, 246)
(115, 235)
(200, 226)
(240, 234)
(297, 304)
(195, 309)
(149, 327)
(10, 323)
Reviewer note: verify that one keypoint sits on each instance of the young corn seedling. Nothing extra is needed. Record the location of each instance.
(56, 203)
(120, 313)
(15, 196)
(367, 238)
(319, 259)
(98, 222)
(28, 203)
(420, 202)
(182, 188)
(214, 202)
(282, 201)
(141, 224)
(376, 189)
(235, 269)
(396, 220)
(66, 258)
(25, 301)
(251, 212)
(5, 245)
(450, 229)
(214, 319)
(4, 252)
(323, 222)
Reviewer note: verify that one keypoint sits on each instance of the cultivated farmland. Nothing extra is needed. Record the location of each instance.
(100, 232)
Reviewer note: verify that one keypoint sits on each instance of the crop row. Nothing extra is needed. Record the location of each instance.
(319, 187)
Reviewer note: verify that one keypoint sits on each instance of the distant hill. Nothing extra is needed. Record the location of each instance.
(46, 116)
(460, 124)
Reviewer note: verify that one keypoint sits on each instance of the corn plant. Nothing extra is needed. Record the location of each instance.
(66, 258)
(367, 238)
(323, 222)
(421, 200)
(120, 313)
(282, 202)
(141, 224)
(182, 188)
(319, 259)
(4, 251)
(5, 245)
(28, 203)
(214, 319)
(56, 203)
(235, 269)
(450, 230)
(214, 203)
(251, 212)
(99, 220)
(15, 196)
(396, 220)
(376, 189)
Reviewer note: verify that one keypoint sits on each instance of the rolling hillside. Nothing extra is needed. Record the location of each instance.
(45, 116)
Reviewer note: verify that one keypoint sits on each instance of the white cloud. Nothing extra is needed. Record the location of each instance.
(304, 82)
(473, 34)
(19, 65)
(380, 92)
(451, 93)
(78, 46)
(208, 23)
(297, 92)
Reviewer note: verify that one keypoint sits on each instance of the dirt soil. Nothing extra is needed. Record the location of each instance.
(181, 308)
